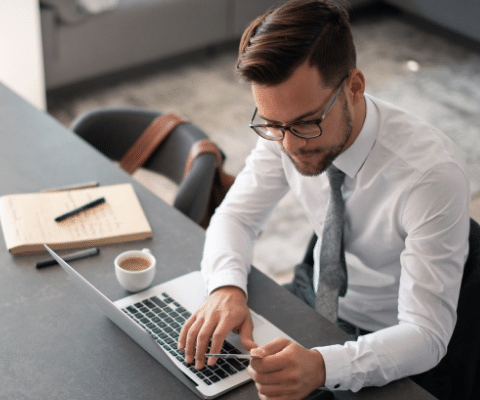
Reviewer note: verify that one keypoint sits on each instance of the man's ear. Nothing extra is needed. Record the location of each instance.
(356, 85)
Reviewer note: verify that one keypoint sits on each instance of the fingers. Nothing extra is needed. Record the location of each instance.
(277, 384)
(183, 333)
(246, 334)
(218, 338)
(191, 339)
(274, 391)
(198, 339)
(201, 345)
(224, 311)
(269, 371)
(275, 346)
(286, 369)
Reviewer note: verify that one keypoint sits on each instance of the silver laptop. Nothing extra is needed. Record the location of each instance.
(153, 318)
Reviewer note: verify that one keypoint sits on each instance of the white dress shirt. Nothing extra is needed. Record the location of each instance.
(406, 240)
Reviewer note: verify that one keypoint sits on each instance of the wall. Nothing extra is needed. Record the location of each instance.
(21, 68)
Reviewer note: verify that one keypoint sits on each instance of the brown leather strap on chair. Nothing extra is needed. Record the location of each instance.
(201, 147)
(221, 182)
(149, 140)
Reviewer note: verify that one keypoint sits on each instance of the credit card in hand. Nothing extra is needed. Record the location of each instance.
(241, 356)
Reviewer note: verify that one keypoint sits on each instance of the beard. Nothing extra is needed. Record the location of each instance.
(317, 160)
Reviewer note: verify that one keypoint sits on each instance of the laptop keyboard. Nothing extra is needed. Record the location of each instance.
(163, 318)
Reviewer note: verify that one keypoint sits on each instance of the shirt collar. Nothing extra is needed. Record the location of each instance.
(352, 159)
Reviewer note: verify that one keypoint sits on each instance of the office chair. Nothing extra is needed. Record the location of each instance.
(114, 130)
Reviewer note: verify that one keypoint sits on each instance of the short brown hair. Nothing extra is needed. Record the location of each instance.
(278, 42)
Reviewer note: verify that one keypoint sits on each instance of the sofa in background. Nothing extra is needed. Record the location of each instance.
(81, 42)
(79, 45)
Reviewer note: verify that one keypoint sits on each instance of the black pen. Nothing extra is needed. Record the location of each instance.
(70, 257)
(78, 210)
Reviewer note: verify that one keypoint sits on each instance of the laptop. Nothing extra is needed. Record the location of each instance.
(153, 318)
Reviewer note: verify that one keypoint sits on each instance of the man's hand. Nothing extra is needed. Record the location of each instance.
(286, 371)
(224, 311)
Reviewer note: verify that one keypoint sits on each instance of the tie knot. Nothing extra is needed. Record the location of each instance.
(335, 176)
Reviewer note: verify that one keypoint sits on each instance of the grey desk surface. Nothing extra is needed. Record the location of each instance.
(55, 344)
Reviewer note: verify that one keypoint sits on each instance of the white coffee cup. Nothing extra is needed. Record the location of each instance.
(135, 269)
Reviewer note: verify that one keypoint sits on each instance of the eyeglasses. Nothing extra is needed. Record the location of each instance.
(305, 129)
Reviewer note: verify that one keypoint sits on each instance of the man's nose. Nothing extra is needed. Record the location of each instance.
(291, 143)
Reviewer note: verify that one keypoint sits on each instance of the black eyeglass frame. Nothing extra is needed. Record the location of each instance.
(288, 127)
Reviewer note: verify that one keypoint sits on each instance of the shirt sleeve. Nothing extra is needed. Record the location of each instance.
(435, 218)
(238, 220)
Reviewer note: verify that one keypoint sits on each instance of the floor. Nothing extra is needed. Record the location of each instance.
(428, 74)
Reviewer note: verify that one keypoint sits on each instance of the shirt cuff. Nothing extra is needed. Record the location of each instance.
(227, 278)
(338, 370)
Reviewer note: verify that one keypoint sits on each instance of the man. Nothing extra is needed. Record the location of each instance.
(405, 197)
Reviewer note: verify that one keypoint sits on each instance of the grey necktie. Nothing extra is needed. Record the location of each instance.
(333, 270)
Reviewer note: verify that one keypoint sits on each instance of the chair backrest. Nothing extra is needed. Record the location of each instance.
(114, 130)
(457, 376)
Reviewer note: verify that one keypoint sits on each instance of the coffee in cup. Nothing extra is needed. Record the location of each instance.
(134, 264)
(135, 269)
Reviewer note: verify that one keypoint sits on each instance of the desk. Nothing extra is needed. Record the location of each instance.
(55, 344)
